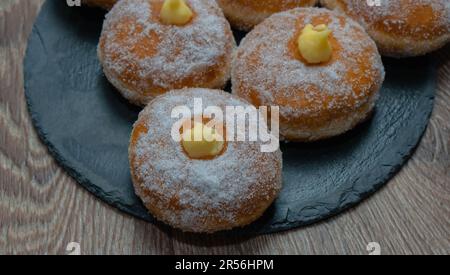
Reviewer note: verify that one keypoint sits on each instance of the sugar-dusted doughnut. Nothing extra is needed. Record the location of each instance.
(245, 14)
(230, 189)
(401, 28)
(316, 101)
(143, 56)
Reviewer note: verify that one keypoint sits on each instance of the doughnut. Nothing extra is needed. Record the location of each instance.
(401, 28)
(143, 57)
(105, 4)
(245, 14)
(316, 101)
(230, 190)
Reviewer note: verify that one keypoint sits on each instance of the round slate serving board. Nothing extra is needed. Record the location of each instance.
(86, 125)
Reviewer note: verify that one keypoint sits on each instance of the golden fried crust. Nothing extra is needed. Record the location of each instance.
(245, 14)
(105, 4)
(231, 190)
(316, 101)
(144, 58)
(401, 28)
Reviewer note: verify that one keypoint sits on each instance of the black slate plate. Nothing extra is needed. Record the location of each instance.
(86, 126)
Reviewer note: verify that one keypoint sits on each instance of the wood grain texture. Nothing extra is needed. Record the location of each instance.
(42, 209)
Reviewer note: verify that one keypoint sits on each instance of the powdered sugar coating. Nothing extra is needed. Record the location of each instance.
(394, 15)
(143, 57)
(268, 71)
(245, 14)
(199, 195)
(401, 27)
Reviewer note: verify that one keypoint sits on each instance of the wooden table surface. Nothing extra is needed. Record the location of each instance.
(42, 209)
